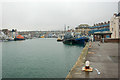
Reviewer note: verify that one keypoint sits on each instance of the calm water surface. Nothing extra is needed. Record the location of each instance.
(38, 58)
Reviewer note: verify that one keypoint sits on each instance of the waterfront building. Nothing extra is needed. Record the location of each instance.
(5, 31)
(115, 26)
(83, 29)
(100, 27)
(10, 33)
(100, 30)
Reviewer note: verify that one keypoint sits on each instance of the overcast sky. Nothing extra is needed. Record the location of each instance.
(54, 15)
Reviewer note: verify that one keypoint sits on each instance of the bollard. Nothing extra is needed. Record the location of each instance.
(87, 67)
(87, 64)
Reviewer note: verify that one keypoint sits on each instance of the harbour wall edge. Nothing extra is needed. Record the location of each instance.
(80, 61)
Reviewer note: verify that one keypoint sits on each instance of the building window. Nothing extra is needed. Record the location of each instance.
(119, 26)
(107, 36)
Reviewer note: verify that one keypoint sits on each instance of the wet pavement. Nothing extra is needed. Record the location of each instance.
(103, 57)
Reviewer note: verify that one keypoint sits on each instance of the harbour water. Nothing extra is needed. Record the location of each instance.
(38, 58)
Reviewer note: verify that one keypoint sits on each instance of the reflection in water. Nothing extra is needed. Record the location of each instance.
(78, 45)
(75, 45)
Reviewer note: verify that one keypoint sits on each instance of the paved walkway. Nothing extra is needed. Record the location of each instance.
(104, 57)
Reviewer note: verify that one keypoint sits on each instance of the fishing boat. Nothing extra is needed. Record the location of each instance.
(60, 37)
(70, 39)
(81, 40)
(19, 37)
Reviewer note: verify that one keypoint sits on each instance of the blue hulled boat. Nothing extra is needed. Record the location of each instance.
(70, 39)
(81, 40)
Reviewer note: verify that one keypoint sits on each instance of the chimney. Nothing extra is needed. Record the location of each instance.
(101, 23)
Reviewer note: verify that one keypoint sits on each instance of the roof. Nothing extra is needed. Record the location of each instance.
(104, 25)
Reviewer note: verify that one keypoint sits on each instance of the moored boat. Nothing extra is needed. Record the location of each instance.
(81, 40)
(19, 37)
(59, 39)
(42, 36)
(70, 39)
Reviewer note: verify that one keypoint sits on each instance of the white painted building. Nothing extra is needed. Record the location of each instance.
(115, 26)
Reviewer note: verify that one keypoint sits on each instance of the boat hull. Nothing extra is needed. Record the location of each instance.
(76, 41)
(18, 39)
(59, 40)
(69, 41)
(82, 41)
